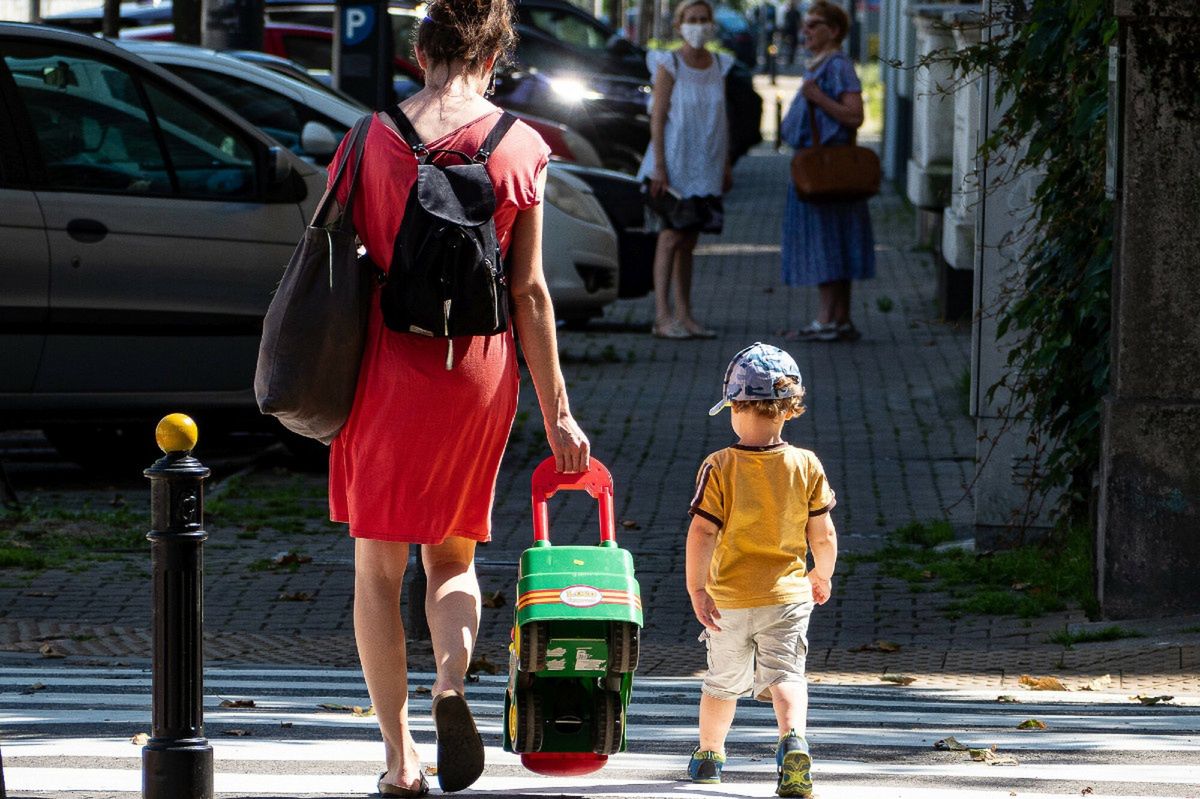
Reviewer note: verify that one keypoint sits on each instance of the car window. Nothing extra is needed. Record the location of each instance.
(276, 115)
(93, 130)
(211, 158)
(568, 28)
(97, 133)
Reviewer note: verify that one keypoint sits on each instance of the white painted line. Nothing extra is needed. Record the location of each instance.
(58, 781)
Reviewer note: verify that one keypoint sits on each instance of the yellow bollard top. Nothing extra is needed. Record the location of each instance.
(176, 433)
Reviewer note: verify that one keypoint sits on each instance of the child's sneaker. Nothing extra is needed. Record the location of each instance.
(794, 765)
(705, 767)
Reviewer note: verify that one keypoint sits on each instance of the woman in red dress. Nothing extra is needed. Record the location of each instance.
(417, 460)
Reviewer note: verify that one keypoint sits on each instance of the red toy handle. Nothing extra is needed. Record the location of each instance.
(596, 481)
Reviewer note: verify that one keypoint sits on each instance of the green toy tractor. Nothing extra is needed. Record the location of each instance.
(575, 638)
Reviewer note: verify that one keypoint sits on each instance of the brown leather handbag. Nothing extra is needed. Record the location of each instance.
(834, 172)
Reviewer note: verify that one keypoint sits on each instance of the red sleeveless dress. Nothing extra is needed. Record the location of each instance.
(417, 459)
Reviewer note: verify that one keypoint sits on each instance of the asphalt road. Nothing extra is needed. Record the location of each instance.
(67, 732)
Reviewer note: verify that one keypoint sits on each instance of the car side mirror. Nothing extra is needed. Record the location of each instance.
(317, 140)
(279, 166)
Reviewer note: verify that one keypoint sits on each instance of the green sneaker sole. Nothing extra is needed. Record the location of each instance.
(796, 777)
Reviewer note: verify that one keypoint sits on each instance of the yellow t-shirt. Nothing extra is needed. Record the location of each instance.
(761, 499)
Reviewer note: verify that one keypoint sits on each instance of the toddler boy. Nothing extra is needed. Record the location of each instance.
(760, 507)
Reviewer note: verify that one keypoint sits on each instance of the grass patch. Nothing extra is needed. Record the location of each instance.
(923, 534)
(33, 537)
(885, 304)
(286, 503)
(1027, 581)
(962, 389)
(1110, 633)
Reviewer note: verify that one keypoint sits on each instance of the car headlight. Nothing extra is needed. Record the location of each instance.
(574, 202)
(572, 90)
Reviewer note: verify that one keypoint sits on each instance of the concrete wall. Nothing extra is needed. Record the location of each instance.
(1004, 459)
(1148, 532)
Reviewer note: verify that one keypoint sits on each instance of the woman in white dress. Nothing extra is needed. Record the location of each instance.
(688, 159)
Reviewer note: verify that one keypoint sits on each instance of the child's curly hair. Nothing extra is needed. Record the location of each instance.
(775, 408)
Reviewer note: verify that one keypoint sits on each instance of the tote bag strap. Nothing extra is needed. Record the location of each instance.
(358, 142)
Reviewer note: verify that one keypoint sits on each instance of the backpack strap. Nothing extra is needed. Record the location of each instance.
(492, 141)
(407, 132)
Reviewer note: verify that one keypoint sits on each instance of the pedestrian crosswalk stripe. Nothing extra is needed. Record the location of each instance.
(85, 717)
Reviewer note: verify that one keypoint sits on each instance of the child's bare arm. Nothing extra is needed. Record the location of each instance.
(822, 542)
(701, 541)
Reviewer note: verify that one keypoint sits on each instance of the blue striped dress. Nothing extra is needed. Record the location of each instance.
(826, 241)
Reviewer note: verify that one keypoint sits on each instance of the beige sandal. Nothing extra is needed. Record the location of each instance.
(459, 747)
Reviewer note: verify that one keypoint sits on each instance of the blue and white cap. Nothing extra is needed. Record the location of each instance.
(753, 373)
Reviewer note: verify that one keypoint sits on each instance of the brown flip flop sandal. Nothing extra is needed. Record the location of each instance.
(389, 789)
(459, 747)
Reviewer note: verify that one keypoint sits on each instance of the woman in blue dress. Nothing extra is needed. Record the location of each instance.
(826, 244)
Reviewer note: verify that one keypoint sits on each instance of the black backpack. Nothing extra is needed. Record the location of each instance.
(446, 277)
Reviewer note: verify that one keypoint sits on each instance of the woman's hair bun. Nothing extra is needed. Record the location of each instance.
(468, 30)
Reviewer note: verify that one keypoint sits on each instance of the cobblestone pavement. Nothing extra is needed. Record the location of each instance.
(886, 415)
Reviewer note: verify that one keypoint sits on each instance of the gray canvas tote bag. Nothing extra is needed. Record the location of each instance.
(313, 332)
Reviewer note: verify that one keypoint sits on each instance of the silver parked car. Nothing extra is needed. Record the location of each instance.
(143, 226)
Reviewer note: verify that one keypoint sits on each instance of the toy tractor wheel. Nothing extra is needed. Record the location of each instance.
(622, 647)
(531, 649)
(609, 721)
(529, 724)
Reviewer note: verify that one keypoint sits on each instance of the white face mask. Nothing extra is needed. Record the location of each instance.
(697, 34)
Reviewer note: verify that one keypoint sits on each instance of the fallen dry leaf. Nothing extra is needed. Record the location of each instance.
(237, 703)
(1087, 791)
(1151, 700)
(1007, 698)
(295, 596)
(898, 679)
(363, 712)
(1099, 684)
(237, 733)
(493, 600)
(1019, 586)
(878, 645)
(140, 739)
(482, 664)
(431, 771)
(49, 650)
(950, 744)
(1042, 683)
(288, 558)
(37, 686)
(990, 757)
(630, 524)
(1031, 724)
(422, 689)
(287, 725)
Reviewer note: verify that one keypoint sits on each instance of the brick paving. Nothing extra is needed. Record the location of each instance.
(886, 416)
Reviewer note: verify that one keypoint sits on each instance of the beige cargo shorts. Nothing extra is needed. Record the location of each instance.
(756, 648)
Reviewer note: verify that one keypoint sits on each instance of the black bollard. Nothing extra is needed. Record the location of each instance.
(177, 763)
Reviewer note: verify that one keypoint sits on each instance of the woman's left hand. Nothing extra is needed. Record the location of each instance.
(570, 446)
(810, 91)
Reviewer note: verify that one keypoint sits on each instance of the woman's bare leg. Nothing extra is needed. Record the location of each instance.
(827, 294)
(682, 280)
(379, 632)
(452, 607)
(664, 266)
